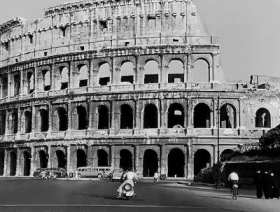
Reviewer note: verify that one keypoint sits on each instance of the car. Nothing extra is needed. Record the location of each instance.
(100, 172)
(116, 174)
(46, 173)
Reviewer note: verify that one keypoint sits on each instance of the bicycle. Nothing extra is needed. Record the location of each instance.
(234, 191)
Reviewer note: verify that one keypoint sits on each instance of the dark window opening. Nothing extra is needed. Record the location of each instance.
(201, 116)
(28, 121)
(2, 162)
(3, 122)
(102, 158)
(27, 163)
(13, 163)
(64, 85)
(45, 54)
(104, 81)
(82, 118)
(175, 78)
(82, 48)
(83, 83)
(150, 163)
(44, 120)
(175, 40)
(15, 122)
(125, 159)
(127, 79)
(227, 155)
(47, 88)
(5, 86)
(126, 117)
(63, 119)
(201, 160)
(16, 60)
(61, 159)
(103, 25)
(16, 85)
(81, 158)
(103, 117)
(30, 39)
(263, 119)
(30, 82)
(63, 31)
(150, 78)
(43, 159)
(6, 46)
(176, 163)
(176, 116)
(150, 116)
(126, 43)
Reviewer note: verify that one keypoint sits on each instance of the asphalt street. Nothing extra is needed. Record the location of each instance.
(60, 195)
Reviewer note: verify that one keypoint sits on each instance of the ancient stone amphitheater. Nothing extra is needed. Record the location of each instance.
(128, 84)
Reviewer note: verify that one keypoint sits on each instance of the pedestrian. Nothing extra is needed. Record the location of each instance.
(156, 177)
(266, 185)
(259, 184)
(275, 186)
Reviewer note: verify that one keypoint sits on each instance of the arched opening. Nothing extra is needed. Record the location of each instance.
(44, 114)
(150, 116)
(226, 154)
(82, 118)
(126, 117)
(102, 156)
(263, 119)
(200, 71)
(16, 84)
(28, 121)
(81, 158)
(27, 163)
(176, 163)
(61, 159)
(202, 159)
(13, 163)
(30, 82)
(227, 116)
(150, 163)
(176, 71)
(62, 119)
(201, 116)
(64, 73)
(43, 159)
(83, 76)
(46, 80)
(125, 159)
(127, 72)
(2, 122)
(104, 74)
(2, 161)
(151, 72)
(15, 121)
(176, 116)
(103, 117)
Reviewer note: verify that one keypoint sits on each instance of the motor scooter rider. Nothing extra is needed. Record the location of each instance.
(128, 177)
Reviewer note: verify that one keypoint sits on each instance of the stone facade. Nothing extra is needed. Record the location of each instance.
(130, 84)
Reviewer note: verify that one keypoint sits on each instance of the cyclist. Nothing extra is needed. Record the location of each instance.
(233, 179)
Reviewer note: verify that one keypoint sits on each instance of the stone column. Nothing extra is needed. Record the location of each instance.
(9, 84)
(138, 157)
(190, 162)
(50, 157)
(33, 160)
(71, 158)
(34, 124)
(90, 158)
(163, 160)
(20, 162)
(35, 79)
(7, 162)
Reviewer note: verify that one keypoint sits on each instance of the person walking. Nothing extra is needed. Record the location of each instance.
(259, 184)
(275, 186)
(266, 185)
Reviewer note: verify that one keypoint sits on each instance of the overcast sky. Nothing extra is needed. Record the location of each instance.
(249, 31)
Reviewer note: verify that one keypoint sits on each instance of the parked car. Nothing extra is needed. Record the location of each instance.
(116, 174)
(47, 173)
(100, 172)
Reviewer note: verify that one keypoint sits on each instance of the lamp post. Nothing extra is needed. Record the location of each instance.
(218, 129)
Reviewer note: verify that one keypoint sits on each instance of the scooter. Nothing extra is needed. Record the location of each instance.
(127, 192)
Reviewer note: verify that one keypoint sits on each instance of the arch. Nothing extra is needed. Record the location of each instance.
(2, 122)
(202, 159)
(83, 75)
(150, 116)
(127, 72)
(44, 117)
(103, 117)
(46, 80)
(104, 74)
(13, 163)
(150, 163)
(2, 161)
(15, 121)
(226, 154)
(61, 159)
(64, 73)
(176, 71)
(82, 118)
(263, 118)
(202, 116)
(200, 71)
(176, 163)
(43, 157)
(103, 159)
(62, 119)
(126, 120)
(81, 158)
(28, 121)
(125, 159)
(26, 163)
(227, 116)
(176, 116)
(30, 82)
(151, 72)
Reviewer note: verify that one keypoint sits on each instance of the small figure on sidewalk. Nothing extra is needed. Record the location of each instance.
(275, 186)
(259, 184)
(266, 185)
(156, 177)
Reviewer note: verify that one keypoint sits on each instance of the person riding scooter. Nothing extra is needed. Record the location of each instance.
(129, 177)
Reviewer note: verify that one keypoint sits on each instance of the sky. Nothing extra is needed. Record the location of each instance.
(249, 31)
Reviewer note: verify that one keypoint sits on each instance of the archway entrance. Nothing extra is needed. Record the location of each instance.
(43, 159)
(2, 162)
(176, 163)
(27, 163)
(61, 159)
(226, 154)
(102, 158)
(125, 159)
(150, 164)
(202, 160)
(81, 158)
(13, 163)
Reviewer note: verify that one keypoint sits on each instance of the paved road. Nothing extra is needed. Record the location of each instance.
(59, 195)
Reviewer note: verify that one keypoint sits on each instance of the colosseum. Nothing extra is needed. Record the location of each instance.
(126, 84)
